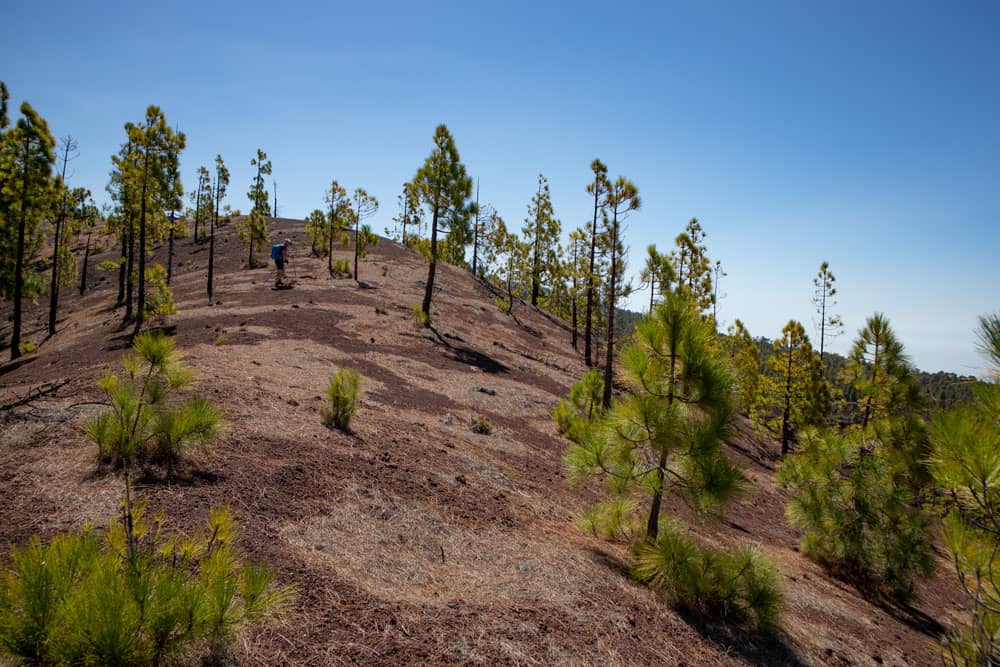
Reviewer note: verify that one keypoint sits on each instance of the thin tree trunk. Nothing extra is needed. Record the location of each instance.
(652, 292)
(609, 364)
(140, 314)
(211, 240)
(786, 415)
(475, 235)
(868, 402)
(122, 269)
(653, 523)
(54, 283)
(197, 209)
(589, 317)
(86, 258)
(429, 289)
(15, 336)
(129, 273)
(170, 250)
(535, 264)
(54, 286)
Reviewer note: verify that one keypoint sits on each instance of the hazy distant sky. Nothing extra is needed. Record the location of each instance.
(864, 133)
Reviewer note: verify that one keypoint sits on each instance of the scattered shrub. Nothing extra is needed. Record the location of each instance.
(220, 339)
(108, 265)
(380, 310)
(342, 266)
(142, 425)
(583, 407)
(614, 520)
(738, 585)
(27, 347)
(421, 318)
(343, 394)
(857, 510)
(159, 298)
(132, 597)
(480, 425)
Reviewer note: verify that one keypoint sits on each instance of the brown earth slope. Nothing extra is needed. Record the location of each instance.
(413, 540)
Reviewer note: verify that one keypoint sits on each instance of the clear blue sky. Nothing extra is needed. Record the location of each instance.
(865, 133)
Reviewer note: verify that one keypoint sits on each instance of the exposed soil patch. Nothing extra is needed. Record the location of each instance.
(413, 539)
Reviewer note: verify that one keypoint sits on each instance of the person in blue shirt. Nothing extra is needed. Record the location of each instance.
(280, 255)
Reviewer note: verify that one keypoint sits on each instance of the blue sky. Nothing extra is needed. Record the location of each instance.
(865, 134)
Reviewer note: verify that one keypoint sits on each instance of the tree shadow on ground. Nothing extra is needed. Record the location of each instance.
(752, 648)
(878, 594)
(466, 355)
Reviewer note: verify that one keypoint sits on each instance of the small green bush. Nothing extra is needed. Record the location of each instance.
(573, 416)
(27, 347)
(143, 424)
(421, 318)
(132, 597)
(613, 520)
(342, 266)
(739, 585)
(343, 394)
(479, 424)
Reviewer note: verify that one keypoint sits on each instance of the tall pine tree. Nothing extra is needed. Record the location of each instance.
(622, 199)
(27, 191)
(541, 232)
(444, 188)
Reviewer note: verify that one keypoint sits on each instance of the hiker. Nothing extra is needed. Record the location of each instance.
(279, 253)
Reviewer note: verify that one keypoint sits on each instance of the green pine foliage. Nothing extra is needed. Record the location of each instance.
(541, 232)
(144, 423)
(159, 298)
(793, 393)
(136, 596)
(665, 434)
(614, 520)
(575, 416)
(28, 196)
(443, 187)
(857, 509)
(738, 585)
(343, 393)
(744, 356)
(252, 230)
(317, 228)
(964, 463)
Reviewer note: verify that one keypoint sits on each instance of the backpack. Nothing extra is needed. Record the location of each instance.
(276, 250)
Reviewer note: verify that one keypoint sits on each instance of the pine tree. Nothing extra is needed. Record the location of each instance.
(666, 433)
(598, 189)
(202, 199)
(744, 355)
(879, 372)
(26, 198)
(365, 206)
(158, 148)
(964, 462)
(317, 227)
(443, 187)
(68, 152)
(855, 510)
(578, 276)
(410, 215)
(824, 298)
(253, 228)
(692, 266)
(621, 200)
(657, 272)
(793, 392)
(339, 212)
(218, 192)
(173, 195)
(89, 216)
(541, 232)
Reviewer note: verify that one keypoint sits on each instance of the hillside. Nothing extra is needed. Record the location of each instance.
(413, 539)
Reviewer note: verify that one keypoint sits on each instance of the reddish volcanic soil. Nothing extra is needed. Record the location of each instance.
(412, 540)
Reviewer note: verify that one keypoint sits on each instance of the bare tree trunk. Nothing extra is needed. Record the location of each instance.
(86, 258)
(15, 336)
(425, 307)
(170, 250)
(140, 314)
